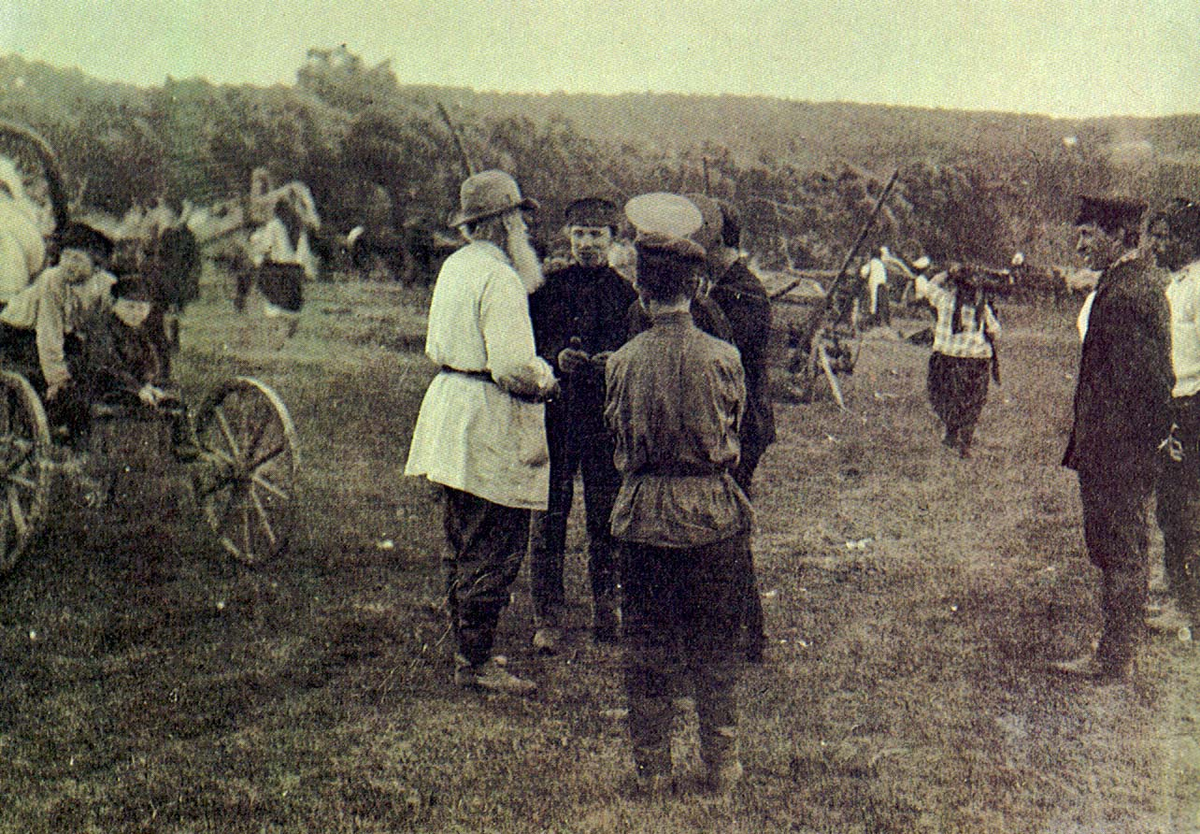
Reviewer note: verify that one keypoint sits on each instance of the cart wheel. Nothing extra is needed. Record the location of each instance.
(24, 469)
(245, 477)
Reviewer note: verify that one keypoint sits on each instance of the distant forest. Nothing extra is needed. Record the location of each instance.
(973, 186)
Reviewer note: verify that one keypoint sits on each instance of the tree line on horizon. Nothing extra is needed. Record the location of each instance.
(805, 176)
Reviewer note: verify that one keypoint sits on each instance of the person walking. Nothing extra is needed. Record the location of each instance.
(480, 434)
(964, 352)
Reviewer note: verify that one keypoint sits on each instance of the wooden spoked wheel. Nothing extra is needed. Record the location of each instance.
(25, 473)
(245, 478)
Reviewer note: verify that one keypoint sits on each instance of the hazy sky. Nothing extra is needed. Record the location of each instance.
(1063, 57)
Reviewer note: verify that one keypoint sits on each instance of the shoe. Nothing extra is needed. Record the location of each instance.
(547, 639)
(651, 785)
(492, 677)
(755, 646)
(1167, 620)
(186, 452)
(950, 440)
(605, 621)
(723, 778)
(1092, 667)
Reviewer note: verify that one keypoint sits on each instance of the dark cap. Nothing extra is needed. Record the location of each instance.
(82, 236)
(664, 245)
(1182, 217)
(667, 265)
(592, 211)
(1110, 214)
(132, 287)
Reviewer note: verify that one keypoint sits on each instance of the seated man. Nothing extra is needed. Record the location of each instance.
(124, 364)
(39, 326)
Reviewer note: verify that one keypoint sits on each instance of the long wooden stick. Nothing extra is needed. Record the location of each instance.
(458, 142)
(862, 235)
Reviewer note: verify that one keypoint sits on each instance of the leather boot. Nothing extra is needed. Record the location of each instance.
(719, 752)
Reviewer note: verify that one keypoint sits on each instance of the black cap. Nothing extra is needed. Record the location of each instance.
(1182, 217)
(82, 236)
(1110, 214)
(133, 287)
(592, 211)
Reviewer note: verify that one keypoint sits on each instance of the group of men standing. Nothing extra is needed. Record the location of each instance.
(577, 371)
(1136, 434)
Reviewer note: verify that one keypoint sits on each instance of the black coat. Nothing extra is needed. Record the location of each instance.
(1123, 393)
(591, 304)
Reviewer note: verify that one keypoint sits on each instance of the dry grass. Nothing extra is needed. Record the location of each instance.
(151, 685)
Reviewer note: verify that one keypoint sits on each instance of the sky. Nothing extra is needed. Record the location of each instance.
(1076, 58)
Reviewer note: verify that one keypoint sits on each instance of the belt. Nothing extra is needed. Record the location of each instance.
(681, 470)
(486, 376)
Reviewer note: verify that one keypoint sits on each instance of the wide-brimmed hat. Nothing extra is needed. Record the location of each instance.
(670, 214)
(486, 194)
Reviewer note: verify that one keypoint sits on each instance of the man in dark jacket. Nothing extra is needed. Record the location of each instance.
(675, 400)
(741, 301)
(579, 318)
(1122, 415)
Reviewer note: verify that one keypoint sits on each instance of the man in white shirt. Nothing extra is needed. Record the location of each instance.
(481, 430)
(1175, 238)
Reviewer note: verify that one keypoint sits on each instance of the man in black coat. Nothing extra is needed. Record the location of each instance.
(579, 317)
(1122, 415)
(741, 303)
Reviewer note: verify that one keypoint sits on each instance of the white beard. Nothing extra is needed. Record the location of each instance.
(525, 261)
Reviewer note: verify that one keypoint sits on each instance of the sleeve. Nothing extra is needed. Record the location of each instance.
(102, 358)
(991, 324)
(1142, 376)
(508, 336)
(51, 331)
(542, 318)
(262, 242)
(931, 290)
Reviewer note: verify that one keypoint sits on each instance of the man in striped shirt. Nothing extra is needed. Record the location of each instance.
(963, 352)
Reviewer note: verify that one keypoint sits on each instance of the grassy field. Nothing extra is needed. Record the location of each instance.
(912, 599)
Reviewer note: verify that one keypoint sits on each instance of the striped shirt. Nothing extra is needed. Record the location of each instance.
(975, 335)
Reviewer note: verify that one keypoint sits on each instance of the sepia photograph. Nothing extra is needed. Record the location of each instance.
(576, 417)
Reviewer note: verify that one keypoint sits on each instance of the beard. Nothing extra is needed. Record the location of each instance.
(525, 261)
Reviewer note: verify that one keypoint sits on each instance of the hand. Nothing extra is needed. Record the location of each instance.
(151, 395)
(600, 360)
(53, 391)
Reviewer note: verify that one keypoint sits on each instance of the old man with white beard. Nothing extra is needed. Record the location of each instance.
(481, 434)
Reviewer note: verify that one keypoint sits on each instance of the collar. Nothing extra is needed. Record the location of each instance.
(673, 317)
(492, 250)
(1188, 271)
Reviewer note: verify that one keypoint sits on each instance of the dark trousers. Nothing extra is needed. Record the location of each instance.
(681, 608)
(958, 388)
(1116, 529)
(752, 611)
(591, 454)
(487, 542)
(19, 353)
(1177, 510)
